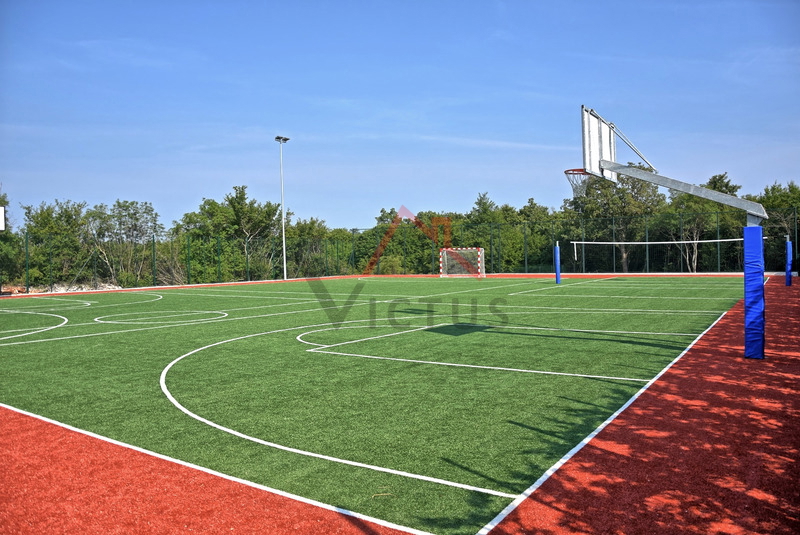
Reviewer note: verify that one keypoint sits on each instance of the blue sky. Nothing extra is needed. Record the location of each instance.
(418, 103)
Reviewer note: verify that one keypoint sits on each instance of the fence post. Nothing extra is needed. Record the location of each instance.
(795, 233)
(680, 245)
(583, 244)
(353, 251)
(405, 249)
(719, 253)
(188, 259)
(525, 243)
(491, 247)
(647, 244)
(94, 268)
(614, 247)
(434, 257)
(326, 257)
(219, 259)
(153, 255)
(27, 265)
(50, 262)
(378, 265)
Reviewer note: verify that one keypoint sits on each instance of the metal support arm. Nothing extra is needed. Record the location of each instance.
(755, 212)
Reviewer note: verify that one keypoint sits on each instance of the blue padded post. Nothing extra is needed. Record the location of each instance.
(754, 316)
(557, 260)
(788, 263)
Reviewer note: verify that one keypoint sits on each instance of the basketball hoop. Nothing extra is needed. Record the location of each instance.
(578, 178)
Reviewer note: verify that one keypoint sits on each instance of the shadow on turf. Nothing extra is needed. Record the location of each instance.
(459, 329)
(547, 441)
(361, 525)
(712, 447)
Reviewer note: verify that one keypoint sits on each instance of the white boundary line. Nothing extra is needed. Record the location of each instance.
(157, 317)
(475, 366)
(571, 453)
(80, 305)
(556, 287)
(409, 297)
(262, 442)
(37, 331)
(209, 471)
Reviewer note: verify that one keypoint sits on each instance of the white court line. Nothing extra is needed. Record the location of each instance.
(282, 295)
(325, 346)
(298, 451)
(227, 477)
(88, 304)
(259, 316)
(158, 318)
(325, 349)
(571, 453)
(570, 310)
(496, 368)
(187, 324)
(626, 284)
(558, 286)
(314, 310)
(37, 330)
(245, 318)
(579, 296)
(471, 290)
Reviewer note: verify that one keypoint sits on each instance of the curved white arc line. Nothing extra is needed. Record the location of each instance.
(300, 336)
(157, 318)
(40, 330)
(239, 434)
(159, 297)
(571, 453)
(84, 304)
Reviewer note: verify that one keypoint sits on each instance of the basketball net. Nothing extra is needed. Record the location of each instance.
(578, 178)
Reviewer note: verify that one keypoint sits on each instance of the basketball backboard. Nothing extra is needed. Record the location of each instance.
(599, 143)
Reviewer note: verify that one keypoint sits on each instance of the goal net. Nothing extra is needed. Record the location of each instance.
(462, 262)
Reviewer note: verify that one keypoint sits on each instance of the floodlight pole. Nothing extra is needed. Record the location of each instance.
(281, 140)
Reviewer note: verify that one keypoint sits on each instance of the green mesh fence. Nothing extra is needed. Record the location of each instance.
(45, 262)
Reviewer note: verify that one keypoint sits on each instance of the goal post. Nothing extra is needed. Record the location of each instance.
(462, 262)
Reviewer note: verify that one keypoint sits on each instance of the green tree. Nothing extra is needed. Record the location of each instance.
(701, 219)
(782, 204)
(60, 246)
(538, 253)
(10, 250)
(122, 240)
(230, 240)
(617, 212)
(305, 248)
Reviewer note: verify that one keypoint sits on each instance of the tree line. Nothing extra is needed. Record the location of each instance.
(239, 238)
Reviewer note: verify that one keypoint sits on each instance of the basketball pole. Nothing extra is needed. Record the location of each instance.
(753, 234)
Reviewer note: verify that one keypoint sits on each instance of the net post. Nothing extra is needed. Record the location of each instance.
(754, 316)
(788, 261)
(557, 260)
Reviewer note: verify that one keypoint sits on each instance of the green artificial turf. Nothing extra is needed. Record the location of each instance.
(427, 377)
